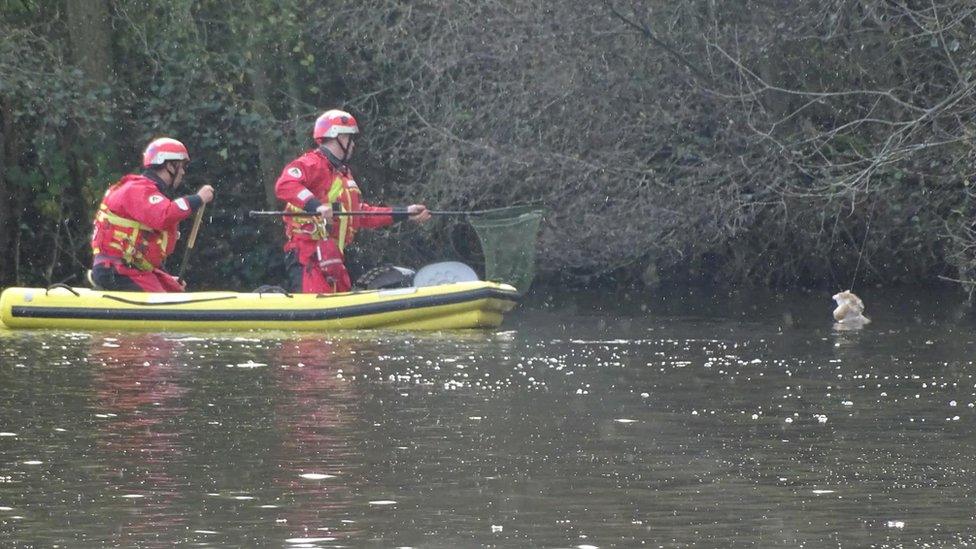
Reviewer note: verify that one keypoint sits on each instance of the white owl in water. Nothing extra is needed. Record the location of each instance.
(850, 309)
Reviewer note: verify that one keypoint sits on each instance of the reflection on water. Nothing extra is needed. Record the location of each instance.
(667, 421)
(138, 411)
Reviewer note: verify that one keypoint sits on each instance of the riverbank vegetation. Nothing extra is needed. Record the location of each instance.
(755, 142)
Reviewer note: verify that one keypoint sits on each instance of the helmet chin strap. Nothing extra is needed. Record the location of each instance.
(345, 150)
(171, 184)
(172, 175)
(336, 161)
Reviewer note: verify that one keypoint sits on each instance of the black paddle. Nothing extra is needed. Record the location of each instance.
(256, 213)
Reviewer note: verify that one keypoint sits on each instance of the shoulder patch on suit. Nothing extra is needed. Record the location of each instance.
(295, 172)
(155, 198)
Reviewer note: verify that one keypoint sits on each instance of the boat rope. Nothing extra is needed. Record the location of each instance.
(62, 286)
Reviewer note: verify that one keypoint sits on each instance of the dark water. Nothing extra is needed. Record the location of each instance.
(586, 421)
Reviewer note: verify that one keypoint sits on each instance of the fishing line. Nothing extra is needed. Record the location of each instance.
(860, 254)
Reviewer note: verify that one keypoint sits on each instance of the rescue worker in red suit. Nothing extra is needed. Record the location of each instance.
(319, 182)
(136, 224)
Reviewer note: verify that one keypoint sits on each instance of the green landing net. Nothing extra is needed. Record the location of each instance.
(508, 237)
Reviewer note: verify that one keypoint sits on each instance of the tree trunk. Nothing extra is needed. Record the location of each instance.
(7, 222)
(268, 154)
(89, 31)
(89, 28)
(89, 25)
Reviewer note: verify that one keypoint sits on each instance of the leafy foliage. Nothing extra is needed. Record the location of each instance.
(779, 143)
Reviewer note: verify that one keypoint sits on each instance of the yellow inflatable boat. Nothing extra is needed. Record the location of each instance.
(474, 304)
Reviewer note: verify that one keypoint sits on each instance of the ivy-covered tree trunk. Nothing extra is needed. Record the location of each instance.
(90, 30)
(7, 222)
(267, 150)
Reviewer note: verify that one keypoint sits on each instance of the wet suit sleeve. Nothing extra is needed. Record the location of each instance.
(376, 221)
(291, 187)
(150, 207)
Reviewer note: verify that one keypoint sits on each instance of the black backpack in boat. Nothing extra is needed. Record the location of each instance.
(385, 277)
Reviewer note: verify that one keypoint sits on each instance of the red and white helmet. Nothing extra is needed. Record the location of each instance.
(163, 149)
(334, 122)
